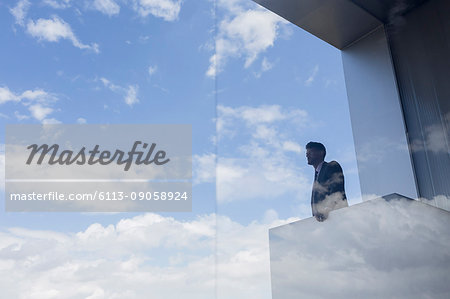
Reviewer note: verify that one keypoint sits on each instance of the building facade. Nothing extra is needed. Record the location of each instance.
(396, 58)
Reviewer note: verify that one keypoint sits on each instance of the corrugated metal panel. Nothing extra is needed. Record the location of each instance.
(420, 46)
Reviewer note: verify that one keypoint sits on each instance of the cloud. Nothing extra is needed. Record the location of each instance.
(40, 112)
(204, 168)
(51, 121)
(253, 116)
(312, 77)
(292, 146)
(140, 257)
(20, 11)
(439, 201)
(54, 29)
(107, 7)
(263, 164)
(110, 85)
(7, 95)
(147, 253)
(2, 167)
(166, 9)
(20, 116)
(243, 258)
(81, 120)
(34, 94)
(258, 175)
(266, 65)
(58, 4)
(243, 32)
(434, 138)
(371, 151)
(130, 92)
(152, 69)
(131, 96)
(37, 101)
(376, 249)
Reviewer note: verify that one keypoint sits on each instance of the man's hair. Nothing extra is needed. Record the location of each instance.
(317, 146)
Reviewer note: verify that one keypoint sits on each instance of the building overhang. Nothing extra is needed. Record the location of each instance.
(339, 22)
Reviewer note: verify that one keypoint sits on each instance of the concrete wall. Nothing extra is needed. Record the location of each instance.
(381, 146)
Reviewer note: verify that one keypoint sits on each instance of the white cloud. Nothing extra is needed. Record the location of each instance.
(252, 116)
(213, 66)
(54, 29)
(40, 112)
(135, 251)
(2, 167)
(152, 69)
(264, 164)
(130, 92)
(58, 4)
(434, 137)
(148, 254)
(366, 197)
(312, 77)
(266, 65)
(81, 120)
(34, 94)
(110, 85)
(51, 121)
(371, 151)
(204, 168)
(107, 7)
(260, 174)
(7, 95)
(20, 116)
(37, 101)
(131, 96)
(376, 249)
(166, 9)
(243, 33)
(440, 201)
(20, 11)
(292, 146)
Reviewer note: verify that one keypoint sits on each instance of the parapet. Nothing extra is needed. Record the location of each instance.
(388, 247)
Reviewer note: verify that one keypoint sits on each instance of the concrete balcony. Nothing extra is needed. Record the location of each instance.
(389, 247)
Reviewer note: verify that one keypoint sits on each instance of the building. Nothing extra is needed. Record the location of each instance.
(396, 58)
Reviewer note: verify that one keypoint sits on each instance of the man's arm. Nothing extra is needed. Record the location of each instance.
(335, 182)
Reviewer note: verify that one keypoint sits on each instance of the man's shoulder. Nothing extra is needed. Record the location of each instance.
(333, 165)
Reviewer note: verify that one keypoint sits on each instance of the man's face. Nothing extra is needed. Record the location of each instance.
(314, 156)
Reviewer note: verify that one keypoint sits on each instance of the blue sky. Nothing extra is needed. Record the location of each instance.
(255, 89)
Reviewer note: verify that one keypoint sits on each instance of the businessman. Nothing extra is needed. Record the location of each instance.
(328, 192)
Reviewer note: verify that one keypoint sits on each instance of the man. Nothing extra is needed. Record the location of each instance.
(328, 192)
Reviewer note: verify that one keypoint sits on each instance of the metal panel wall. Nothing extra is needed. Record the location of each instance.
(420, 45)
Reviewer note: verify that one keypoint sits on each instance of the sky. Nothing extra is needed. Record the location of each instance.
(255, 89)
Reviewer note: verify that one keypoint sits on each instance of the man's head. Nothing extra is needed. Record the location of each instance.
(315, 153)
